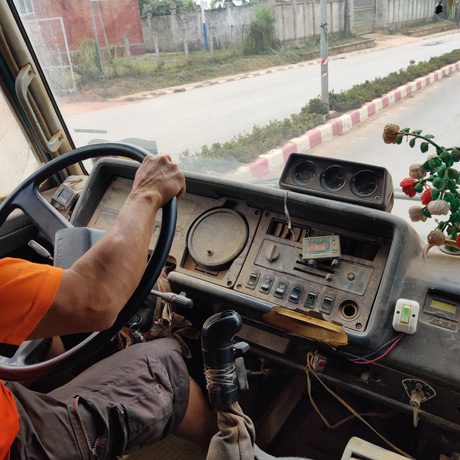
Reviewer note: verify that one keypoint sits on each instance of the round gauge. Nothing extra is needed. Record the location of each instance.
(217, 238)
(333, 178)
(364, 183)
(303, 172)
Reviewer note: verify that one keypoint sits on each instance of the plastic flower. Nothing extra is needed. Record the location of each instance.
(426, 196)
(416, 171)
(416, 214)
(439, 207)
(436, 237)
(457, 241)
(390, 132)
(407, 186)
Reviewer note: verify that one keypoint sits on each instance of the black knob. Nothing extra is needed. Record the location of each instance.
(219, 357)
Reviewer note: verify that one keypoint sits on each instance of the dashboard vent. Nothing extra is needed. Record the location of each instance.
(280, 229)
(358, 248)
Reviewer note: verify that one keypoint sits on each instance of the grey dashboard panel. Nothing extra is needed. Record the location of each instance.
(404, 272)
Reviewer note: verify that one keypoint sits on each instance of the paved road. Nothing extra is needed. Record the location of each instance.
(188, 120)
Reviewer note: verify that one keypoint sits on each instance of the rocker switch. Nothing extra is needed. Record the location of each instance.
(266, 284)
(281, 289)
(295, 294)
(252, 280)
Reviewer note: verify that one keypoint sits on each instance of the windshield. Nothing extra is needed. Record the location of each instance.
(232, 88)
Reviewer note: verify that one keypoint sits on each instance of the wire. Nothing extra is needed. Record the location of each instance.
(309, 370)
(355, 358)
(378, 358)
(286, 214)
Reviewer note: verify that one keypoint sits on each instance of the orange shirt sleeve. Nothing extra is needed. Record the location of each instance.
(27, 291)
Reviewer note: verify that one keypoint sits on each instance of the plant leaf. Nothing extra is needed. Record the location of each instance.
(412, 142)
(424, 147)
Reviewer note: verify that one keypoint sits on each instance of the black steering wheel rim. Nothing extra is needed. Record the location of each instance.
(27, 192)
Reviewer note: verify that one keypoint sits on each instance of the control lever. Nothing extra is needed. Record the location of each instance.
(40, 250)
(223, 366)
(176, 300)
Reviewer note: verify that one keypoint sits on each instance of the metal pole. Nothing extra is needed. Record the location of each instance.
(203, 22)
(98, 48)
(323, 55)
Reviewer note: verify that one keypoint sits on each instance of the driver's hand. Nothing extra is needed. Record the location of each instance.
(159, 179)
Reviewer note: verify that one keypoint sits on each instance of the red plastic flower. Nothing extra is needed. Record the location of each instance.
(407, 186)
(426, 196)
(457, 241)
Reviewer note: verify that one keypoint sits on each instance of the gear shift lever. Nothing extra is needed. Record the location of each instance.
(219, 356)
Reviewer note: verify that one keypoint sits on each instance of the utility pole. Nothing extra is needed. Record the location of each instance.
(98, 47)
(324, 55)
(203, 22)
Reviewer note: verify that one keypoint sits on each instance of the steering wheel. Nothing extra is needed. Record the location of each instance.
(48, 220)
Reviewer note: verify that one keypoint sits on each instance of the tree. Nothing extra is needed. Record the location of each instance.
(164, 7)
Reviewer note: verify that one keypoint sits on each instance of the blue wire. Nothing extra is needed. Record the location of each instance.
(362, 358)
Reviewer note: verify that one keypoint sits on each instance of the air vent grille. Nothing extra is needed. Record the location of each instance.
(280, 229)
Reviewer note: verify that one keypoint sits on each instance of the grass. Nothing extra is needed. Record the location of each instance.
(125, 76)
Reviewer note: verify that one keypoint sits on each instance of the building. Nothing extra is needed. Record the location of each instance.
(65, 24)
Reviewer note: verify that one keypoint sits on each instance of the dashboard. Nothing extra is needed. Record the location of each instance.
(241, 246)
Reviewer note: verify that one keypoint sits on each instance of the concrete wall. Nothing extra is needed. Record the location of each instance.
(299, 20)
(294, 21)
(394, 13)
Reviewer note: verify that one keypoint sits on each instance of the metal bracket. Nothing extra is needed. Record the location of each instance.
(22, 83)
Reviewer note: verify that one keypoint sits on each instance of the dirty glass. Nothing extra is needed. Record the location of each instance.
(232, 88)
(17, 160)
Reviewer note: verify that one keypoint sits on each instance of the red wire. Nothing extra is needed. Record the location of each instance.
(378, 358)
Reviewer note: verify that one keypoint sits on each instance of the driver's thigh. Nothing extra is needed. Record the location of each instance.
(129, 400)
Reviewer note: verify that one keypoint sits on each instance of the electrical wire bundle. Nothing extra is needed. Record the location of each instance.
(370, 358)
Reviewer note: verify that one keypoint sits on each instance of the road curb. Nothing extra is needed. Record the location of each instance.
(276, 158)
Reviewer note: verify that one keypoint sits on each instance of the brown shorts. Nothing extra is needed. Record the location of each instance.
(125, 402)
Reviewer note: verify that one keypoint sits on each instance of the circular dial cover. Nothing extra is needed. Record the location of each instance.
(364, 183)
(303, 172)
(333, 178)
(217, 238)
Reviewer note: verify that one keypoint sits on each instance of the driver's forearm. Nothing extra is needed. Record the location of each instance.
(98, 285)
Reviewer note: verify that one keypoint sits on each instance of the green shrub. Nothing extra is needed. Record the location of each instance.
(85, 62)
(244, 148)
(316, 105)
(261, 36)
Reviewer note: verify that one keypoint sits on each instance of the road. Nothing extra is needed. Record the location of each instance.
(188, 120)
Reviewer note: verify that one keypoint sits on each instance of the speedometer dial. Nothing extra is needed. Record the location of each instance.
(364, 183)
(333, 178)
(303, 172)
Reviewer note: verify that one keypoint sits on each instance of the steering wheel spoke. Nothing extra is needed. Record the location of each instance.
(47, 218)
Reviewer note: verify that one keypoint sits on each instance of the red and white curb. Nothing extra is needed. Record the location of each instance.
(275, 159)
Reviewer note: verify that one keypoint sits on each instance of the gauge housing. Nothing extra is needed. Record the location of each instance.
(340, 180)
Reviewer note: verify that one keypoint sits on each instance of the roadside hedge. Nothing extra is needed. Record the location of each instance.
(247, 147)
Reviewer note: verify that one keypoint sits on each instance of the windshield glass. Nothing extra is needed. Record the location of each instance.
(232, 88)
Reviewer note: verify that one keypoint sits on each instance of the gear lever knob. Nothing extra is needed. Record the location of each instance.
(217, 344)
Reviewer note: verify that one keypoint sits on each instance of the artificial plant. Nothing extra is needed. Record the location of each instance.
(437, 180)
